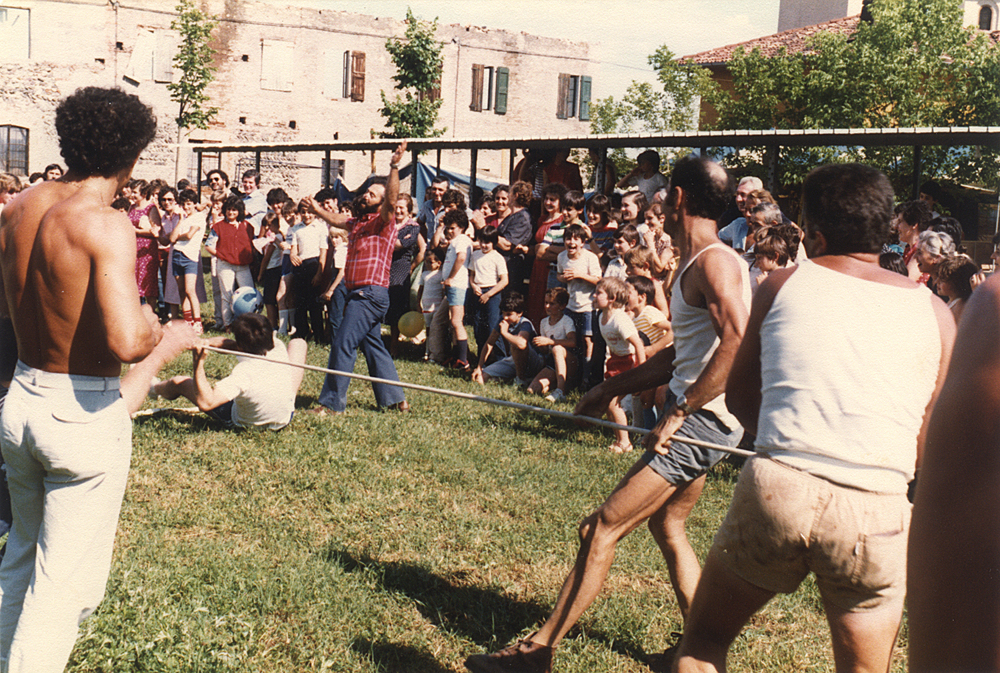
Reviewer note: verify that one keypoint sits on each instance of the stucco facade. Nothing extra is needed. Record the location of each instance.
(285, 74)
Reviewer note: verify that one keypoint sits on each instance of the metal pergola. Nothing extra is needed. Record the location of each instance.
(771, 140)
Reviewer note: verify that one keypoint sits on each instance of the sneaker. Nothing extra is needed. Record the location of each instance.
(556, 396)
(461, 365)
(523, 656)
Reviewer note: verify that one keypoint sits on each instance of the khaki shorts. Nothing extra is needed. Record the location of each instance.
(784, 523)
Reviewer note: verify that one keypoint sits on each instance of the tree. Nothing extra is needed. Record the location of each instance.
(194, 61)
(418, 60)
(912, 64)
(646, 109)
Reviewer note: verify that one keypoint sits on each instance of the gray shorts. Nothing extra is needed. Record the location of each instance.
(686, 462)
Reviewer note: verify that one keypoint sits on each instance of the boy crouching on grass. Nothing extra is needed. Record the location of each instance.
(256, 393)
(513, 338)
(556, 345)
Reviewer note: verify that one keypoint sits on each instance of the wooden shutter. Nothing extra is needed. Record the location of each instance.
(477, 88)
(163, 57)
(500, 102)
(561, 111)
(585, 84)
(431, 94)
(358, 76)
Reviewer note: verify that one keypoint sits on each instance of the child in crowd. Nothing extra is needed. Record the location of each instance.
(186, 240)
(771, 252)
(626, 238)
(624, 345)
(634, 206)
(269, 276)
(487, 279)
(256, 393)
(455, 279)
(658, 241)
(548, 244)
(955, 282)
(602, 228)
(488, 209)
(336, 292)
(580, 269)
(656, 334)
(309, 241)
(646, 176)
(639, 262)
(231, 245)
(431, 292)
(512, 337)
(556, 344)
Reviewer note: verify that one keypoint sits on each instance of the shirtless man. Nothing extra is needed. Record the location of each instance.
(839, 432)
(710, 304)
(68, 282)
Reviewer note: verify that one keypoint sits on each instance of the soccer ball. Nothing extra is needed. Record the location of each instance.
(247, 300)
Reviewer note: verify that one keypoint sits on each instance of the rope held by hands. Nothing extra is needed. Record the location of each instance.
(489, 400)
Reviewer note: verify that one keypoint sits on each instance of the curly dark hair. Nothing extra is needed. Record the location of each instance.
(102, 131)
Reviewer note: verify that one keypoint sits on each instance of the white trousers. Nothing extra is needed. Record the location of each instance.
(231, 277)
(67, 443)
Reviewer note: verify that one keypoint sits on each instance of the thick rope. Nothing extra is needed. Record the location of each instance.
(489, 400)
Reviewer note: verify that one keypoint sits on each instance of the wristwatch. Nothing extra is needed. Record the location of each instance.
(681, 403)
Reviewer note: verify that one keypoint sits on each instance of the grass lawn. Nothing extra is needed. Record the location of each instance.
(390, 542)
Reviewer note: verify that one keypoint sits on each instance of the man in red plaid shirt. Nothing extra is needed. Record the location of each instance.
(370, 242)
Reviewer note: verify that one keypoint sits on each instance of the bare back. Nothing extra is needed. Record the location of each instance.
(68, 263)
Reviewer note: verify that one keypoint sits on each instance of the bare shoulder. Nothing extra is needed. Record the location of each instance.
(93, 226)
(718, 269)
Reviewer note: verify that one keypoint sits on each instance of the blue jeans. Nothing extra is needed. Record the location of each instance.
(485, 317)
(336, 309)
(361, 327)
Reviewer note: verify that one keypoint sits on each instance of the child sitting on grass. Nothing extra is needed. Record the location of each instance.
(556, 344)
(513, 338)
(624, 346)
(256, 393)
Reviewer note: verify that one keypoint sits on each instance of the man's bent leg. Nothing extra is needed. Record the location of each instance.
(667, 527)
(380, 364)
(863, 641)
(639, 495)
(722, 605)
(344, 350)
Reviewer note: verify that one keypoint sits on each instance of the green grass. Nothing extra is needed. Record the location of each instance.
(389, 542)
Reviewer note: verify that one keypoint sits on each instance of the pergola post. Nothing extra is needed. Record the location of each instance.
(771, 166)
(199, 176)
(472, 176)
(513, 158)
(414, 156)
(326, 170)
(257, 162)
(602, 172)
(918, 151)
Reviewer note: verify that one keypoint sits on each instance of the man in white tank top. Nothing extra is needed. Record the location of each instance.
(839, 431)
(712, 297)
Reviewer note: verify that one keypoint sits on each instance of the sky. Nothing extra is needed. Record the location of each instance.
(621, 33)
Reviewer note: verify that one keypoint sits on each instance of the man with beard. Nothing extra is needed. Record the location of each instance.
(371, 236)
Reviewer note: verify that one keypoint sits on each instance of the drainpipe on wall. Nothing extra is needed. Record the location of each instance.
(114, 47)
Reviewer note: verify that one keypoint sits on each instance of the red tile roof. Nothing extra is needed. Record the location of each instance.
(794, 41)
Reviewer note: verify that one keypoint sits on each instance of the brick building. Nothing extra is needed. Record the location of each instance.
(285, 74)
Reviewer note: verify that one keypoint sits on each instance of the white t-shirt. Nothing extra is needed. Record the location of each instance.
(191, 248)
(617, 332)
(487, 269)
(558, 331)
(460, 243)
(433, 290)
(649, 186)
(581, 292)
(261, 391)
(309, 239)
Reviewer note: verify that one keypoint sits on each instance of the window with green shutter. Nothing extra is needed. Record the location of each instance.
(585, 83)
(500, 102)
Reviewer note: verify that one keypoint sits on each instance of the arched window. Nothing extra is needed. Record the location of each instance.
(985, 18)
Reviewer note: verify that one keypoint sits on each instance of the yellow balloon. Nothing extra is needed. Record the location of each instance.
(411, 324)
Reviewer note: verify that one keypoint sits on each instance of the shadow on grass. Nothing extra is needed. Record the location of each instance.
(393, 658)
(485, 616)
